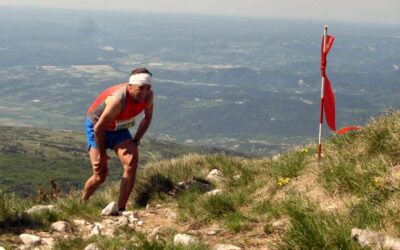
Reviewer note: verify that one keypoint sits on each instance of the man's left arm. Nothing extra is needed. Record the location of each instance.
(145, 122)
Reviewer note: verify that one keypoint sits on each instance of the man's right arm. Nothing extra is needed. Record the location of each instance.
(112, 109)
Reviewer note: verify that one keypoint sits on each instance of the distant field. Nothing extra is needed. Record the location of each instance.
(30, 158)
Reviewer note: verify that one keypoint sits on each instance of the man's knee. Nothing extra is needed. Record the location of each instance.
(130, 170)
(129, 161)
(100, 173)
(100, 177)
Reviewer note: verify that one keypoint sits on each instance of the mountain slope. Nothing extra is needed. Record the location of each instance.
(289, 201)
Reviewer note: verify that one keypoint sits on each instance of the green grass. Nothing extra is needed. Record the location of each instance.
(356, 170)
(136, 241)
(313, 229)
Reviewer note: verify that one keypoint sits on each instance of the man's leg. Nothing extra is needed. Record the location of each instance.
(100, 170)
(127, 152)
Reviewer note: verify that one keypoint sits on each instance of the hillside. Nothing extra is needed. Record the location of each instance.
(289, 201)
(30, 158)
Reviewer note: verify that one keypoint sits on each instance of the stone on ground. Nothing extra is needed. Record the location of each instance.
(185, 240)
(225, 247)
(48, 242)
(214, 192)
(61, 226)
(375, 240)
(110, 209)
(92, 246)
(30, 240)
(215, 175)
(40, 208)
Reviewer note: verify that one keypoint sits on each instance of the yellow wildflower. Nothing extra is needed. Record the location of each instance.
(282, 181)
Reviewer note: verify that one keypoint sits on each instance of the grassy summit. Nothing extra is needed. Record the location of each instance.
(289, 201)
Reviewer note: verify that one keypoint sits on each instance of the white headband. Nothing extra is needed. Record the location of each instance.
(139, 79)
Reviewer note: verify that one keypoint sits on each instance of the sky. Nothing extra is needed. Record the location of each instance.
(383, 11)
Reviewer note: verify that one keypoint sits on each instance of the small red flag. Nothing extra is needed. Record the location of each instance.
(347, 129)
(329, 97)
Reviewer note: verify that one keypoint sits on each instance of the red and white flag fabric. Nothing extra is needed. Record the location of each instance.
(329, 97)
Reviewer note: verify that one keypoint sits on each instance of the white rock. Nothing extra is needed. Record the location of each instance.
(375, 240)
(2, 248)
(215, 175)
(61, 226)
(226, 247)
(236, 177)
(80, 222)
(40, 208)
(96, 230)
(48, 242)
(30, 240)
(110, 209)
(212, 231)
(185, 240)
(140, 223)
(214, 192)
(92, 246)
(132, 218)
(128, 213)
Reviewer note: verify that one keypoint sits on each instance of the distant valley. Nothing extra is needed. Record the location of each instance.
(249, 85)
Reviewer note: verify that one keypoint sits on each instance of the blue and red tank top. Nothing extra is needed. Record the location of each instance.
(126, 117)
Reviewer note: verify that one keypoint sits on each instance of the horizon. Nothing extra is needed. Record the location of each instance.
(384, 12)
(37, 9)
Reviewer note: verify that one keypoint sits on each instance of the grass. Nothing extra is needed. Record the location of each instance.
(313, 229)
(136, 241)
(356, 169)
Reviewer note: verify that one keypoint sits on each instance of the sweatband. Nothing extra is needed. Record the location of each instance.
(139, 79)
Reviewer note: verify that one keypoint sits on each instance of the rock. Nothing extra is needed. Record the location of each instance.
(375, 240)
(61, 226)
(40, 208)
(30, 240)
(226, 247)
(48, 242)
(80, 222)
(185, 240)
(132, 218)
(214, 192)
(2, 248)
(212, 231)
(92, 246)
(129, 213)
(96, 230)
(215, 175)
(110, 209)
(236, 177)
(140, 223)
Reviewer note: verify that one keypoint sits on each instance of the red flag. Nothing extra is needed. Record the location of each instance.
(329, 97)
(347, 129)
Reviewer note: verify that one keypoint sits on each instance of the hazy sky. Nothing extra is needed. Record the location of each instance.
(353, 10)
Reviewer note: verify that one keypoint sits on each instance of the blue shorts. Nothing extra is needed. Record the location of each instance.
(112, 137)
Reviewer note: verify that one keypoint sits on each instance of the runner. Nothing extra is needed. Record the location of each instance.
(107, 127)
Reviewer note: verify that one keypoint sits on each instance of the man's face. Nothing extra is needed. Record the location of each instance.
(139, 93)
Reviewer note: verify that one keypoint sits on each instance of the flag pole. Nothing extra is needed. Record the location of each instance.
(321, 117)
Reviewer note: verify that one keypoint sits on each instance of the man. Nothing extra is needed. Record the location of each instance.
(107, 123)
